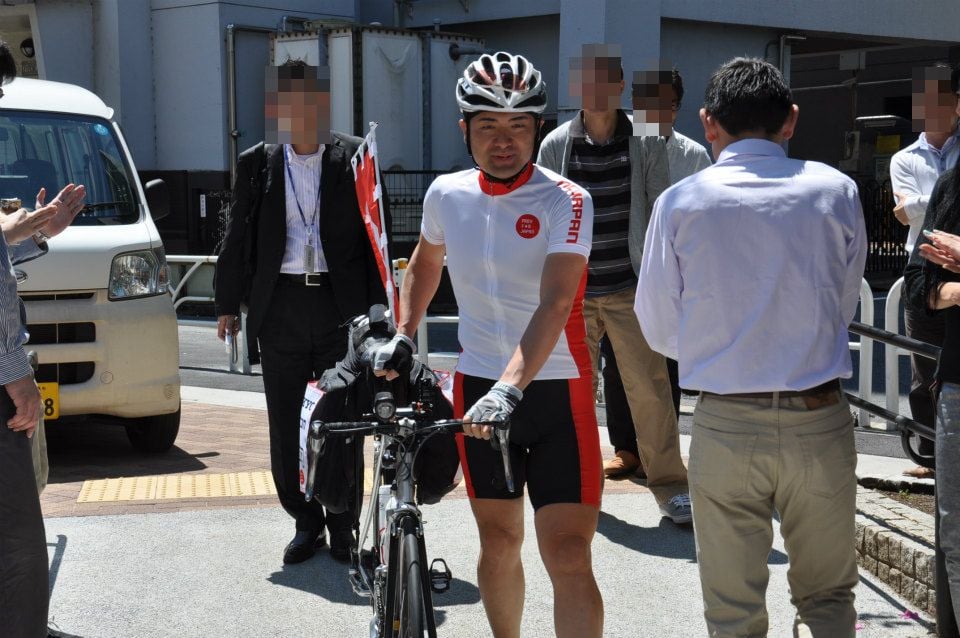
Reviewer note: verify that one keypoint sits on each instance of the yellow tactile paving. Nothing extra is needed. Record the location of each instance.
(177, 486)
(181, 486)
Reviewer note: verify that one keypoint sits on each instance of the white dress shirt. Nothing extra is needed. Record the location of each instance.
(751, 272)
(913, 172)
(305, 171)
(685, 156)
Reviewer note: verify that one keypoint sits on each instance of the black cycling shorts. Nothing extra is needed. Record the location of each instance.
(554, 444)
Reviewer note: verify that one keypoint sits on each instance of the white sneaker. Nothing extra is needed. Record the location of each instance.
(678, 510)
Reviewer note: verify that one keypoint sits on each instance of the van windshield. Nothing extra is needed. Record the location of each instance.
(52, 150)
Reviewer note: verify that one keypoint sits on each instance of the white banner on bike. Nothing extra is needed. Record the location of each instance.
(311, 397)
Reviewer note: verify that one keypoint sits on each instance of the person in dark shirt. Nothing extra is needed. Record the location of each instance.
(932, 286)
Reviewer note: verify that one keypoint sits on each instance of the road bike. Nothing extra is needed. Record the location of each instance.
(393, 572)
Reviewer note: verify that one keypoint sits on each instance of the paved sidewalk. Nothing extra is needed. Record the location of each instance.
(218, 573)
(211, 567)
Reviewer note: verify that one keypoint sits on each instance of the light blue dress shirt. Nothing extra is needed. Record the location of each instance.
(913, 172)
(751, 272)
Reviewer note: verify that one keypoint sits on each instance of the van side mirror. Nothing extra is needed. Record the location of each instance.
(158, 198)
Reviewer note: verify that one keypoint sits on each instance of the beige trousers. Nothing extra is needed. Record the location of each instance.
(647, 386)
(750, 458)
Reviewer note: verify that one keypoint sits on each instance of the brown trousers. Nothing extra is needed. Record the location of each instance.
(647, 385)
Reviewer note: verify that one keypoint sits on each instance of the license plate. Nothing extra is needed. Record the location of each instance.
(50, 399)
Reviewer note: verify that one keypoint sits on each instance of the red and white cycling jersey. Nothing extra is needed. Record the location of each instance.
(497, 239)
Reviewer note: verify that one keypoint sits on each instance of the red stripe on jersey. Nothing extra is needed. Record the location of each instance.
(491, 187)
(458, 411)
(576, 332)
(588, 439)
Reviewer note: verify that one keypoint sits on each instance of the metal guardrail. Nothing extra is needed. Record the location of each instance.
(907, 426)
(242, 361)
(901, 345)
(196, 261)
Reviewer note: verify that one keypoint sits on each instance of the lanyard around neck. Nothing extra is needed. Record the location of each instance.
(296, 198)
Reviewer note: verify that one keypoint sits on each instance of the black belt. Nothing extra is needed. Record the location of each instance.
(830, 386)
(307, 279)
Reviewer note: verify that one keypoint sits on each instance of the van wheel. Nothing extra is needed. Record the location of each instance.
(153, 434)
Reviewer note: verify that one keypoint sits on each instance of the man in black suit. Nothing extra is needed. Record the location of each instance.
(296, 253)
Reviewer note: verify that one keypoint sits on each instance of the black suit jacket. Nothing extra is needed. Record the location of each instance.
(343, 237)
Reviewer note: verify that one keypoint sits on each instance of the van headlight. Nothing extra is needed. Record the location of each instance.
(142, 273)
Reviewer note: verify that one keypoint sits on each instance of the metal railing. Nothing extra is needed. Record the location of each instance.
(195, 261)
(864, 347)
(242, 362)
(895, 342)
(891, 323)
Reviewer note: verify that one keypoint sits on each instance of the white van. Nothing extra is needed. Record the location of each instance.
(98, 310)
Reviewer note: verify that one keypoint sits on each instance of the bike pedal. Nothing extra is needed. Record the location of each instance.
(359, 587)
(440, 576)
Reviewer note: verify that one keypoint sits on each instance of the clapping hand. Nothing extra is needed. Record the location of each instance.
(900, 211)
(68, 202)
(23, 223)
(943, 249)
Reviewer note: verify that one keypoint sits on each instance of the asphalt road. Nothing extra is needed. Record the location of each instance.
(217, 572)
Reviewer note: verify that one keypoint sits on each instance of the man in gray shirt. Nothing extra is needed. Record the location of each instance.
(657, 99)
(600, 150)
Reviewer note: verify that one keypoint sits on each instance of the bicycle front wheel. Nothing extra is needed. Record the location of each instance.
(410, 604)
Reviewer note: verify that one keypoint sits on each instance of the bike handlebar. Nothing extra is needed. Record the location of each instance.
(500, 440)
(373, 426)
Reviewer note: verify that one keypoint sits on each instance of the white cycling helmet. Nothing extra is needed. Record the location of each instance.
(501, 82)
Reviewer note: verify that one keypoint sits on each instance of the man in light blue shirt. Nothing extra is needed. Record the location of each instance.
(750, 276)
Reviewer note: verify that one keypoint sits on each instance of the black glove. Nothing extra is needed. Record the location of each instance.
(497, 404)
(396, 355)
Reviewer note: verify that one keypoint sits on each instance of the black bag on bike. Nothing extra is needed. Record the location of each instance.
(437, 464)
(349, 389)
(337, 470)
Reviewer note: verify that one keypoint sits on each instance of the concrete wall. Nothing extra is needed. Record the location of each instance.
(448, 12)
(123, 72)
(161, 63)
(67, 21)
(190, 73)
(882, 18)
(189, 92)
(632, 24)
(696, 49)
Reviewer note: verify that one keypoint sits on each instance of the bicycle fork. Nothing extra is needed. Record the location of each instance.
(406, 523)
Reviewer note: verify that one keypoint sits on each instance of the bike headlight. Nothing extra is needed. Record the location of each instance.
(142, 273)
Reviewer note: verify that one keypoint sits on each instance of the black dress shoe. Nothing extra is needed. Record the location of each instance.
(341, 544)
(303, 546)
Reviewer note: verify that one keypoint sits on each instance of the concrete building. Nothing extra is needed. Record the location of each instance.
(846, 61)
(162, 64)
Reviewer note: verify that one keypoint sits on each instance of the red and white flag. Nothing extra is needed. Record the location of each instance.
(366, 174)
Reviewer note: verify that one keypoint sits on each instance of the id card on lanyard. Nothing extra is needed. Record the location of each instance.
(312, 227)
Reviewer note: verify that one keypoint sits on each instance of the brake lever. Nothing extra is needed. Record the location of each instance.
(501, 441)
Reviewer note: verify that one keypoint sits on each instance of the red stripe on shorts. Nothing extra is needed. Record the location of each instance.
(588, 439)
(582, 402)
(458, 411)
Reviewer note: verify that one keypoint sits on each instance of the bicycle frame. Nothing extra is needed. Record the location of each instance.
(405, 519)
(369, 576)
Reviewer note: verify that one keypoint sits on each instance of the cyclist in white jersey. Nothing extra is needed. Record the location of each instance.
(516, 237)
